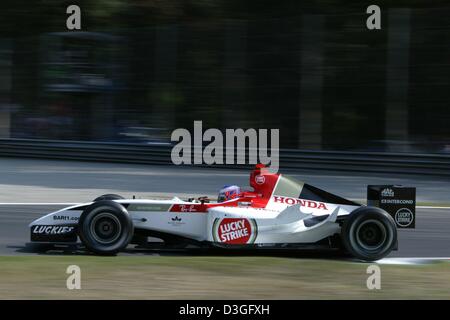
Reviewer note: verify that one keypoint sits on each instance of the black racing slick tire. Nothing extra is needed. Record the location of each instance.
(369, 233)
(109, 196)
(105, 227)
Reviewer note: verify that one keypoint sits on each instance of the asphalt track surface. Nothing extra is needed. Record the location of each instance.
(42, 181)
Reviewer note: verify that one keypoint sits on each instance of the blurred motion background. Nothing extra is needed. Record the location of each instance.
(139, 69)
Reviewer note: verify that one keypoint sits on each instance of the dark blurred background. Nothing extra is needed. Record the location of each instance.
(139, 69)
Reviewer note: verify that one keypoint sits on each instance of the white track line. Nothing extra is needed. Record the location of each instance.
(410, 261)
(431, 207)
(421, 258)
(38, 203)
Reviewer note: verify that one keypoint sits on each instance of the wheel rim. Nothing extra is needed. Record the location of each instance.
(371, 235)
(105, 228)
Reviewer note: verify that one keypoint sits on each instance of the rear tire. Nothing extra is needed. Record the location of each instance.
(369, 233)
(109, 196)
(105, 227)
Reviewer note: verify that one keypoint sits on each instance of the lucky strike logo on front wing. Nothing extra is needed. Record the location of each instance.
(234, 230)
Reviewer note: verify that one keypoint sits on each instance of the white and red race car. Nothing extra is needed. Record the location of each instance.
(279, 212)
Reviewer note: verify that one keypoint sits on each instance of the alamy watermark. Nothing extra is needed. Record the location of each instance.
(374, 280)
(373, 22)
(73, 21)
(221, 149)
(73, 281)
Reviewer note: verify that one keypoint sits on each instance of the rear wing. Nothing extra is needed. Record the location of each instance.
(398, 201)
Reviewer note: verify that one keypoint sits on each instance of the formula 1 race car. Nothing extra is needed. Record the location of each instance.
(279, 212)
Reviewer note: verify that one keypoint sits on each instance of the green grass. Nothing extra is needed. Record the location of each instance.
(209, 277)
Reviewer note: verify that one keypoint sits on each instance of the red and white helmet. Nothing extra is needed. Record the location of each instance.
(228, 193)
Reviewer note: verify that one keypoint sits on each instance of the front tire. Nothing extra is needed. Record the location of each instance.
(369, 233)
(105, 227)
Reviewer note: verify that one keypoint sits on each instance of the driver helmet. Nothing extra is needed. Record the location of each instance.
(228, 193)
